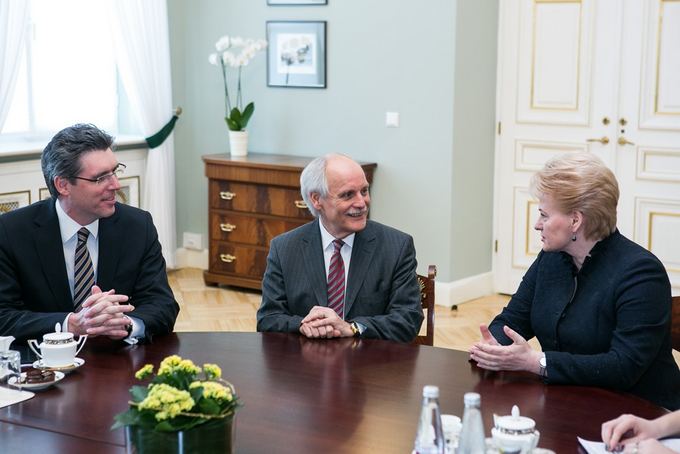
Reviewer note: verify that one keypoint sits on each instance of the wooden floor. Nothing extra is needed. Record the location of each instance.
(227, 309)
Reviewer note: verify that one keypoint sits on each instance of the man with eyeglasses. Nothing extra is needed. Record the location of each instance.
(80, 258)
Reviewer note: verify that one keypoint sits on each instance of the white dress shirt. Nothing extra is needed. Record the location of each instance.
(69, 238)
(345, 253)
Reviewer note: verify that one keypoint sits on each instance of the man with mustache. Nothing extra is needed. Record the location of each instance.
(80, 258)
(341, 275)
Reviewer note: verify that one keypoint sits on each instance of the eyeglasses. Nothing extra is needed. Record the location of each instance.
(118, 172)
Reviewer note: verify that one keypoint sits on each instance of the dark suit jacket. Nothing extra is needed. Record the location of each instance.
(382, 290)
(34, 290)
(607, 325)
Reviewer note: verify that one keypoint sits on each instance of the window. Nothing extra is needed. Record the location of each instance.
(68, 73)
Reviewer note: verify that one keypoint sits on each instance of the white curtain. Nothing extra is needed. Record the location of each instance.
(14, 15)
(140, 36)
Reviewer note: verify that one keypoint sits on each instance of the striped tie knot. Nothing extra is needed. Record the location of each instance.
(336, 280)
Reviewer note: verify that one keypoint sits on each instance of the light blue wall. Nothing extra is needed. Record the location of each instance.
(383, 55)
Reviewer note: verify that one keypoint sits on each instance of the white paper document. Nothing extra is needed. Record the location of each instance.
(597, 447)
(13, 396)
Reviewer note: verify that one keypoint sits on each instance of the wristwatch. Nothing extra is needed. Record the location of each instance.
(543, 366)
(355, 329)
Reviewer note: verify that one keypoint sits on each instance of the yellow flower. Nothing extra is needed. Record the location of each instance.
(144, 372)
(176, 363)
(213, 390)
(167, 401)
(212, 370)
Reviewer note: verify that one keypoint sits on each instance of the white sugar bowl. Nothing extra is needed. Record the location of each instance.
(514, 433)
(57, 349)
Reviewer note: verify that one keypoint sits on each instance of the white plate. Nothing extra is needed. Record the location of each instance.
(13, 381)
(77, 362)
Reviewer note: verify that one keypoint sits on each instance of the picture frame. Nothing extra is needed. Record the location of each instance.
(129, 191)
(296, 54)
(10, 201)
(44, 194)
(297, 2)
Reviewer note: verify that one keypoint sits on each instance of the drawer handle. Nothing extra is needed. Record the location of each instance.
(226, 195)
(227, 258)
(300, 204)
(227, 227)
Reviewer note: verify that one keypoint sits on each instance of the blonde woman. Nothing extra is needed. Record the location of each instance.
(598, 303)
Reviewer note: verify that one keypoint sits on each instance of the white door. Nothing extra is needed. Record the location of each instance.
(569, 76)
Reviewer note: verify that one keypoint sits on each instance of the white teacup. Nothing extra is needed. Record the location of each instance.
(58, 349)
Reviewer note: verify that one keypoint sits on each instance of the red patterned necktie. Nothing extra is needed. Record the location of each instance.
(336, 280)
(83, 274)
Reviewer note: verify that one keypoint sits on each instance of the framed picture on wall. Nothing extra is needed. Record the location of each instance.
(297, 2)
(296, 54)
(10, 201)
(129, 191)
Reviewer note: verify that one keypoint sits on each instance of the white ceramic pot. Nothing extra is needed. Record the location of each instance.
(238, 143)
(57, 349)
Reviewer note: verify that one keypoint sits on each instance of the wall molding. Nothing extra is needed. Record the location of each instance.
(449, 294)
(191, 258)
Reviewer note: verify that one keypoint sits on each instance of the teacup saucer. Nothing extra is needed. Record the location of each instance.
(77, 362)
(14, 381)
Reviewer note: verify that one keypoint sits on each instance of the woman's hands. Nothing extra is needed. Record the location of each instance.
(489, 354)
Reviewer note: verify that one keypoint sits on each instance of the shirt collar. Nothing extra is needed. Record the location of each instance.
(69, 227)
(327, 238)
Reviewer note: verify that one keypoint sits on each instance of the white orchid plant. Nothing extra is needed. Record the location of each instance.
(236, 52)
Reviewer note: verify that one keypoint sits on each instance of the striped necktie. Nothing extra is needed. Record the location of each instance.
(336, 280)
(83, 272)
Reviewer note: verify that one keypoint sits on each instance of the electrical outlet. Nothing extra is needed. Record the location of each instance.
(192, 241)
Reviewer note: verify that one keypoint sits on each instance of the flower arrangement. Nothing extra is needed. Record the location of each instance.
(180, 396)
(235, 52)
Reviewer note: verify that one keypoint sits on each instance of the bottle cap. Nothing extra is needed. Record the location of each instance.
(431, 391)
(472, 399)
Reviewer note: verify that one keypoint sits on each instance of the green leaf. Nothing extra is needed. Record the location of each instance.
(232, 125)
(209, 407)
(247, 113)
(139, 393)
(235, 115)
(127, 418)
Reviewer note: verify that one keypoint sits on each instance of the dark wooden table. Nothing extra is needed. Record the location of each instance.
(306, 396)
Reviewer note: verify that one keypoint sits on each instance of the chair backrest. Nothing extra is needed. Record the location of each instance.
(426, 284)
(675, 323)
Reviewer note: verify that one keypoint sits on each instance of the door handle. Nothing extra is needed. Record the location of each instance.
(227, 227)
(226, 195)
(623, 141)
(604, 140)
(300, 204)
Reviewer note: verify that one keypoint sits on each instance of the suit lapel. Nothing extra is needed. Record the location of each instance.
(312, 253)
(362, 255)
(110, 246)
(50, 251)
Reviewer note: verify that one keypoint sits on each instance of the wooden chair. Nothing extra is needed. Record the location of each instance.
(426, 284)
(675, 323)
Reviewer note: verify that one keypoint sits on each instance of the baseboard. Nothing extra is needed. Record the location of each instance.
(191, 258)
(452, 293)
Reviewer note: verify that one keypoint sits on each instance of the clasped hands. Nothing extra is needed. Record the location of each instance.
(102, 314)
(323, 322)
(491, 355)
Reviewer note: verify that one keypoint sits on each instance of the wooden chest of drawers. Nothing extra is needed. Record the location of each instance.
(251, 200)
